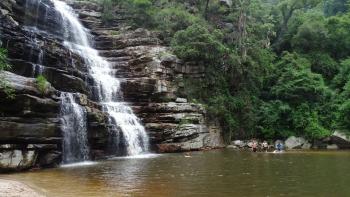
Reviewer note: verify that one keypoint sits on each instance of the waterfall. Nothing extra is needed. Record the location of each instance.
(75, 141)
(107, 87)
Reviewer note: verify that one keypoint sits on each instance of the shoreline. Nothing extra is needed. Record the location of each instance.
(12, 188)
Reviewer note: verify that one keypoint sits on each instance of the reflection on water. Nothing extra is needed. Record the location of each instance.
(215, 173)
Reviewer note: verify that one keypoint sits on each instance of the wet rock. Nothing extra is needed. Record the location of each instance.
(49, 159)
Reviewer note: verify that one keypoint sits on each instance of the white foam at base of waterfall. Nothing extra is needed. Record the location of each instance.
(140, 156)
(79, 164)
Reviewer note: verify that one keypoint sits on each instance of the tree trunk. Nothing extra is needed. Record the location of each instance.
(206, 10)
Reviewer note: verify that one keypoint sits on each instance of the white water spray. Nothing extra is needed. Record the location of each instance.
(75, 141)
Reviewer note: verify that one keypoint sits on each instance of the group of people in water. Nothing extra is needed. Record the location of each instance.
(265, 146)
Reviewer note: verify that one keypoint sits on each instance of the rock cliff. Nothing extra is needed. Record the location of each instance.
(30, 123)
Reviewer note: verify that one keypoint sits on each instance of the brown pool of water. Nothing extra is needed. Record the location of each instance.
(221, 173)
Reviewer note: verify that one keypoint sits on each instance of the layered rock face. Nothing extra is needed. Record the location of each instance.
(30, 124)
(152, 78)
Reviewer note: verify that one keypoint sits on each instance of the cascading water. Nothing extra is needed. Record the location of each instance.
(75, 141)
(74, 116)
(107, 86)
(33, 9)
(38, 67)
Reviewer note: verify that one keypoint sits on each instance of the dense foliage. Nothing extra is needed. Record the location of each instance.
(273, 68)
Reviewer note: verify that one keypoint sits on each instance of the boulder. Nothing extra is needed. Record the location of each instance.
(239, 143)
(297, 143)
(341, 140)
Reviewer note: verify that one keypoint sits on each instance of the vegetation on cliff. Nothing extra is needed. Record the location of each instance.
(274, 68)
(42, 84)
(4, 66)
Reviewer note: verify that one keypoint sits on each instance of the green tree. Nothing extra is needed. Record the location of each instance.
(294, 95)
(334, 7)
(344, 115)
(295, 82)
(311, 36)
(272, 68)
(283, 14)
(171, 20)
(142, 11)
(322, 63)
(343, 76)
(197, 43)
(339, 35)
